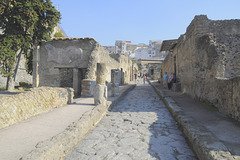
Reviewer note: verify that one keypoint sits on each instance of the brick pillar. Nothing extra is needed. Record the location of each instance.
(87, 88)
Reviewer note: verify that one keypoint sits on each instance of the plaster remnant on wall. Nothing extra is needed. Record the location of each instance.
(63, 56)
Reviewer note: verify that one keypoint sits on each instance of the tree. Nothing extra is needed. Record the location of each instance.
(25, 24)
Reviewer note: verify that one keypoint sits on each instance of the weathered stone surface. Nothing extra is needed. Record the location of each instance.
(100, 94)
(87, 87)
(207, 61)
(101, 74)
(58, 146)
(206, 143)
(139, 127)
(154, 70)
(100, 90)
(115, 89)
(67, 62)
(25, 105)
(115, 79)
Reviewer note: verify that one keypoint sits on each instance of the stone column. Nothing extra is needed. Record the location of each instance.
(70, 95)
(75, 81)
(35, 67)
(100, 90)
(115, 84)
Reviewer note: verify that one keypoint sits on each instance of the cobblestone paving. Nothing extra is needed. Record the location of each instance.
(138, 128)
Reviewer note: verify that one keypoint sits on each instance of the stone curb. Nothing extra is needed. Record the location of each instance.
(203, 142)
(60, 145)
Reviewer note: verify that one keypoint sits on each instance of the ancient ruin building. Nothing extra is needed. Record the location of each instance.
(206, 60)
(71, 62)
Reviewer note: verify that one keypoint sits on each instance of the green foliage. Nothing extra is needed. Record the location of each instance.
(29, 63)
(58, 34)
(25, 85)
(28, 22)
(8, 50)
(3, 89)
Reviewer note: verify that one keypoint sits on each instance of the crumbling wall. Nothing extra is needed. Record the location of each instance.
(125, 64)
(156, 68)
(208, 58)
(62, 53)
(16, 108)
(65, 62)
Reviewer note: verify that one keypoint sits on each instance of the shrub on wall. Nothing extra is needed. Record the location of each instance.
(58, 34)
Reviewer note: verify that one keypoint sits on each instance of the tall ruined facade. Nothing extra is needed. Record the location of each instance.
(207, 63)
(72, 62)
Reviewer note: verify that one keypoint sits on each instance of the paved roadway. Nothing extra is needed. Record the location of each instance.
(138, 128)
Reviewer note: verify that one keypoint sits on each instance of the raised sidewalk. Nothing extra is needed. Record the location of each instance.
(211, 135)
(52, 135)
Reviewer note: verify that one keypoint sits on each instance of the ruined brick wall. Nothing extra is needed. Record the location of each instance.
(66, 62)
(208, 58)
(16, 108)
(62, 53)
(100, 55)
(125, 63)
(113, 61)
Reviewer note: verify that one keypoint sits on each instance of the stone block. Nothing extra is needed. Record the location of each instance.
(16, 108)
(100, 94)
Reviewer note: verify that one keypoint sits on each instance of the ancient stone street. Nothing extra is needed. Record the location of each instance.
(139, 127)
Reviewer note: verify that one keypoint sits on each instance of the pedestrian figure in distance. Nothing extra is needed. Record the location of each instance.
(165, 80)
(171, 80)
(135, 76)
(144, 78)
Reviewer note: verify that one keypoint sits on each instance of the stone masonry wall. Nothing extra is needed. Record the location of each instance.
(62, 53)
(16, 108)
(168, 65)
(156, 67)
(208, 58)
(76, 53)
(58, 62)
(100, 55)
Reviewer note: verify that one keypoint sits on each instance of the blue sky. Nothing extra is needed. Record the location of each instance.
(138, 20)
